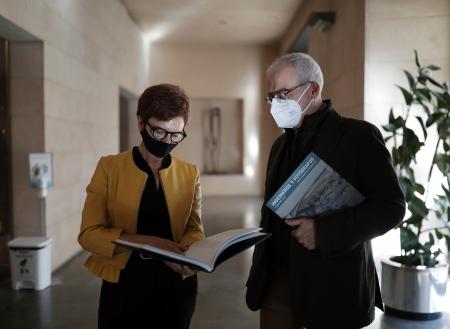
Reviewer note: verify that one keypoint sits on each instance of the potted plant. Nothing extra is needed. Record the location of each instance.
(414, 283)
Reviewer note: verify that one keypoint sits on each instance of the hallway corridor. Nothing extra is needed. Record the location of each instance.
(71, 301)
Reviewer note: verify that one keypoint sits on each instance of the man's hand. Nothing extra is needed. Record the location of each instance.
(304, 231)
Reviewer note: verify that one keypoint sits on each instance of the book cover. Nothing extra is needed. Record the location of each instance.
(314, 188)
(206, 254)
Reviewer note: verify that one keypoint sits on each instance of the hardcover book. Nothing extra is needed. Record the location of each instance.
(314, 188)
(206, 254)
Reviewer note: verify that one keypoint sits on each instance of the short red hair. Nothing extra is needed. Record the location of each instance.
(164, 102)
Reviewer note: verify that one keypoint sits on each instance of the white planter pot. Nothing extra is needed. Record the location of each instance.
(415, 292)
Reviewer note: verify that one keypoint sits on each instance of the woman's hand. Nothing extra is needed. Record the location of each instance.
(165, 244)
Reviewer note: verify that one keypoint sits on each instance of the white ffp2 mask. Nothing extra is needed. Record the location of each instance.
(287, 113)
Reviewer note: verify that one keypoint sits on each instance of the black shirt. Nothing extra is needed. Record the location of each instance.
(299, 144)
(153, 216)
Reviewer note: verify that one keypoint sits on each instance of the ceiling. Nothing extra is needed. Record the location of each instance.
(212, 21)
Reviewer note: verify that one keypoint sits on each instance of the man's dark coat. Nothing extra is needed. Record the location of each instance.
(336, 285)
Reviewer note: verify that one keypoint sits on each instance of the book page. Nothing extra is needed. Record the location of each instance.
(206, 251)
(164, 254)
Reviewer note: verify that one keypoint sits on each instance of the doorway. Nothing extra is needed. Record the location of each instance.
(5, 161)
(128, 132)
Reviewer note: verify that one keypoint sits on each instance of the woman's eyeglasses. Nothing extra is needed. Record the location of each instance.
(159, 133)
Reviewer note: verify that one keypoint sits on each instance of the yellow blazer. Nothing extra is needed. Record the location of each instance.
(112, 204)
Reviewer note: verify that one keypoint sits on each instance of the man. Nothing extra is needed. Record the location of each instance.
(319, 272)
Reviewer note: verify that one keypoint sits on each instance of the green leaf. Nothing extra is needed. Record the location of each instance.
(407, 187)
(406, 95)
(410, 173)
(416, 205)
(443, 128)
(410, 146)
(434, 82)
(447, 239)
(395, 156)
(431, 238)
(403, 160)
(434, 118)
(446, 146)
(410, 78)
(439, 235)
(424, 130)
(423, 94)
(414, 220)
(394, 122)
(391, 115)
(420, 189)
(433, 67)
(416, 56)
(426, 247)
(408, 239)
(441, 97)
(443, 163)
(447, 192)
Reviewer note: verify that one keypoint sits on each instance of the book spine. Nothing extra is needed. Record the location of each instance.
(294, 180)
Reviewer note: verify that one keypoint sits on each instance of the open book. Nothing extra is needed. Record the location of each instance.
(314, 188)
(206, 254)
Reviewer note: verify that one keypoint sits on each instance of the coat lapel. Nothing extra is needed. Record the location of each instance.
(329, 136)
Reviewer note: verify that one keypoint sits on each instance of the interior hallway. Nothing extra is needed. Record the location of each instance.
(71, 301)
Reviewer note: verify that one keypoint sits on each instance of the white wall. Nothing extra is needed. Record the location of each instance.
(91, 48)
(224, 72)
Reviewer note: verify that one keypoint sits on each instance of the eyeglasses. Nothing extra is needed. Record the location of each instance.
(283, 93)
(159, 133)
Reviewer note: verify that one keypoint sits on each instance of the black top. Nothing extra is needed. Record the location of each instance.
(299, 144)
(153, 216)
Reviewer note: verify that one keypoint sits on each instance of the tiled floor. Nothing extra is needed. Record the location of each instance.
(71, 301)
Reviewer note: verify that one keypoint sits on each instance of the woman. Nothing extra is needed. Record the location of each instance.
(147, 196)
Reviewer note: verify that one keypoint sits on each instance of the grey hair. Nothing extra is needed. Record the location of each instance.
(307, 68)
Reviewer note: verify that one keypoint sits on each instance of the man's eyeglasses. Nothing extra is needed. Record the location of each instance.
(159, 133)
(283, 93)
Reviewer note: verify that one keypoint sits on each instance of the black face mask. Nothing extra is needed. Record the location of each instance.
(157, 148)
